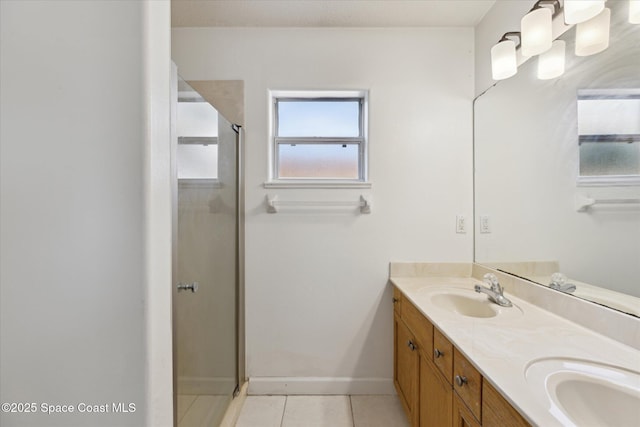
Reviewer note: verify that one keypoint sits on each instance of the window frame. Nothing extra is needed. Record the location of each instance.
(276, 96)
(190, 96)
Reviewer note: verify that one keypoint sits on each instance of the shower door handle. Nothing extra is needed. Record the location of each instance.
(193, 287)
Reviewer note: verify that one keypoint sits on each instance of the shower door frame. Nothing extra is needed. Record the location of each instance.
(240, 247)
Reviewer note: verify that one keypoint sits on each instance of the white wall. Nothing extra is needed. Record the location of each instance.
(76, 218)
(317, 300)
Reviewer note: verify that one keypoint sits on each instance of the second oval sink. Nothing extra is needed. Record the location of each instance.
(584, 393)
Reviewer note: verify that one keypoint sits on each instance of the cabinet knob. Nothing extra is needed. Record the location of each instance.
(461, 380)
(437, 353)
(411, 345)
(395, 300)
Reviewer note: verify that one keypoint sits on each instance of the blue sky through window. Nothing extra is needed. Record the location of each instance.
(318, 118)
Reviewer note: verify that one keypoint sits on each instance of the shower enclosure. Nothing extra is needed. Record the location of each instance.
(207, 262)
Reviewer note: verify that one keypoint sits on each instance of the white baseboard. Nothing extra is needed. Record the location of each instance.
(206, 385)
(320, 385)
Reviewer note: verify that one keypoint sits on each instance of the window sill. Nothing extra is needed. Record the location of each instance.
(609, 181)
(335, 184)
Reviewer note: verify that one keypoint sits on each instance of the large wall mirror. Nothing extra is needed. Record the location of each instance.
(557, 172)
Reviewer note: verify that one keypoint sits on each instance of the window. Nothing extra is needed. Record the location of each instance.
(609, 136)
(197, 129)
(319, 137)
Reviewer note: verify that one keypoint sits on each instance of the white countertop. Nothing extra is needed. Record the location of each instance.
(502, 347)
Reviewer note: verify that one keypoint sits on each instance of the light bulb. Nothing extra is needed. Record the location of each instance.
(536, 31)
(634, 11)
(503, 60)
(551, 62)
(592, 36)
(577, 11)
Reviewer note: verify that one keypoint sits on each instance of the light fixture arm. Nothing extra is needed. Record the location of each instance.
(542, 3)
(511, 34)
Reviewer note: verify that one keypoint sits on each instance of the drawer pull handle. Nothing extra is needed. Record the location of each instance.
(437, 353)
(411, 345)
(461, 380)
(395, 300)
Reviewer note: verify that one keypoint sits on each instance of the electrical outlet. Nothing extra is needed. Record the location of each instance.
(461, 224)
(485, 224)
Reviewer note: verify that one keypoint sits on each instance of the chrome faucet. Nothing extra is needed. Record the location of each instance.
(559, 283)
(494, 291)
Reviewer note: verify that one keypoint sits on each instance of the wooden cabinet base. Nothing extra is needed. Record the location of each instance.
(497, 412)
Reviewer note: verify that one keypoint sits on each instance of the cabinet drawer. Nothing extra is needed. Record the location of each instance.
(397, 301)
(443, 354)
(467, 382)
(419, 325)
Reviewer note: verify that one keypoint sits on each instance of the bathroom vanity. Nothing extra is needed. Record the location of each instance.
(461, 360)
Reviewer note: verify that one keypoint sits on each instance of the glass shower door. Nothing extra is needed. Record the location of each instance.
(205, 299)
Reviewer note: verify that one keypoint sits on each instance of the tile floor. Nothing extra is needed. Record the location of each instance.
(322, 411)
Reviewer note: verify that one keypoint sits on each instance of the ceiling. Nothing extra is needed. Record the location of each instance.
(328, 13)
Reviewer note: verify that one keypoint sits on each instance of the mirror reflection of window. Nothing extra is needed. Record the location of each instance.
(609, 132)
(197, 129)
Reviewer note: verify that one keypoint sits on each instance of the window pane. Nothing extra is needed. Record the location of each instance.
(609, 158)
(326, 161)
(319, 118)
(196, 119)
(608, 125)
(197, 161)
(608, 116)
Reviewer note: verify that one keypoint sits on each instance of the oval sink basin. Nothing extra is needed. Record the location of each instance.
(464, 305)
(583, 393)
(466, 302)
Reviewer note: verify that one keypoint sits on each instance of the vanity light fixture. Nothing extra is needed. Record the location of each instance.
(592, 36)
(503, 57)
(536, 27)
(634, 11)
(542, 26)
(551, 63)
(578, 11)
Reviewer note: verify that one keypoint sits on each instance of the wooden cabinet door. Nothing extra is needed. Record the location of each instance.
(436, 397)
(406, 369)
(462, 417)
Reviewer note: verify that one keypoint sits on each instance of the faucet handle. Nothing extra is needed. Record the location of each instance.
(558, 279)
(490, 279)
